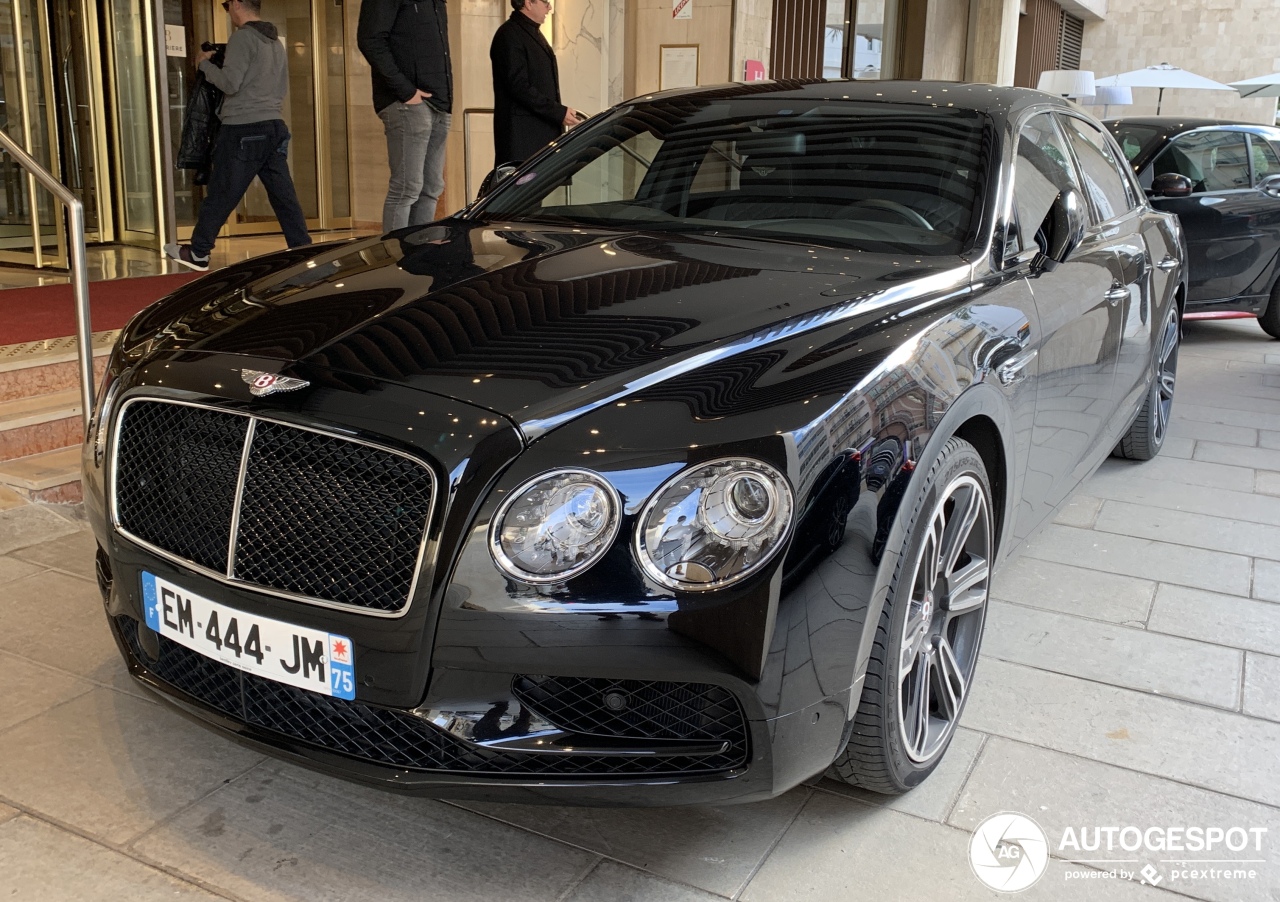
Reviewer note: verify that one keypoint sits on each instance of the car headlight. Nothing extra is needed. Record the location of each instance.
(555, 526)
(714, 524)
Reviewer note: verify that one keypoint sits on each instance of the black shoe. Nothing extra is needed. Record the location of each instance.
(182, 254)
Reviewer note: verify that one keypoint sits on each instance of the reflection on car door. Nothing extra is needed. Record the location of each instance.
(1225, 254)
(1118, 210)
(1080, 325)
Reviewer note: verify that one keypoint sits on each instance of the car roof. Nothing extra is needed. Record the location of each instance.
(996, 101)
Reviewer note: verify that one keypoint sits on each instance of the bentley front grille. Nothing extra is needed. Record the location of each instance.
(271, 506)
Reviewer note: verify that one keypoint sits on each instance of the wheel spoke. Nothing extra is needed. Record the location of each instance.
(950, 681)
(959, 530)
(920, 715)
(1170, 341)
(967, 587)
(1167, 384)
(912, 641)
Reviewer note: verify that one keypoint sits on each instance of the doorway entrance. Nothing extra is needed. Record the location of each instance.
(50, 104)
(315, 110)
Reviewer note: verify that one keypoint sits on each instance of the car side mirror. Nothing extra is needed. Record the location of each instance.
(1171, 184)
(496, 177)
(1270, 186)
(1064, 230)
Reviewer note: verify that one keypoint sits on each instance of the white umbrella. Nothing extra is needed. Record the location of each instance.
(1262, 86)
(1163, 76)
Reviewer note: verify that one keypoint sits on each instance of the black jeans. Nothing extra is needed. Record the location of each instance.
(242, 152)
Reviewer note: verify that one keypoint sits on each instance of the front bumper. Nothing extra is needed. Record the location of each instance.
(402, 750)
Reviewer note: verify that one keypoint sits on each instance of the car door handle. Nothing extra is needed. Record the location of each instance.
(1011, 371)
(1168, 264)
(1116, 295)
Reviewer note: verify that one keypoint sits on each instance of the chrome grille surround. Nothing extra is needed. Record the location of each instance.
(379, 547)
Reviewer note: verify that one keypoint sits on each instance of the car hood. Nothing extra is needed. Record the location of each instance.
(534, 321)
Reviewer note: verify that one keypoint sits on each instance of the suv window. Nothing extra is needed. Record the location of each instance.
(1104, 179)
(1043, 169)
(1265, 162)
(1213, 160)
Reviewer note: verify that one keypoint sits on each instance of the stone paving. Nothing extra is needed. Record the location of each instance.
(1130, 677)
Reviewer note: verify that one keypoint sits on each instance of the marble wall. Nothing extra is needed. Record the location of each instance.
(1219, 39)
(752, 34)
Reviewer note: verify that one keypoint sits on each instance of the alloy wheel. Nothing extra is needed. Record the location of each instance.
(943, 627)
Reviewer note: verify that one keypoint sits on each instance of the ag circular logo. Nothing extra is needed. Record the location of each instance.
(1008, 852)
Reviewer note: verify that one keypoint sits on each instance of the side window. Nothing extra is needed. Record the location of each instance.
(1041, 172)
(1213, 160)
(1265, 162)
(1105, 182)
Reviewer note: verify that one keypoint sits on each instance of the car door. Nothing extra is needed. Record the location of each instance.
(1119, 212)
(1079, 325)
(1265, 163)
(1224, 247)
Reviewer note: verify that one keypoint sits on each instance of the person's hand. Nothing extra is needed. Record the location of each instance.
(418, 97)
(204, 55)
(572, 117)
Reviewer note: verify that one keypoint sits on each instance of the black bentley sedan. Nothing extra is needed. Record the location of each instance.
(1222, 180)
(675, 469)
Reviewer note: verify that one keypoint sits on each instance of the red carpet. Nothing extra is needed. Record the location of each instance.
(31, 314)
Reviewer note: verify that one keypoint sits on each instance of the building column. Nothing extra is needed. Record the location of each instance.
(993, 41)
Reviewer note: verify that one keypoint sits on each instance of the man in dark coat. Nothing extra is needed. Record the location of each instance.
(527, 112)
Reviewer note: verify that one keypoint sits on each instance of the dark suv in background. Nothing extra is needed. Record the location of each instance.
(1222, 179)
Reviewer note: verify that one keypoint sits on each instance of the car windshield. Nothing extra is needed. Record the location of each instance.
(1134, 139)
(871, 176)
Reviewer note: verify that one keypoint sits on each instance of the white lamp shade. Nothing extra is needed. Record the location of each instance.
(1067, 82)
(1110, 95)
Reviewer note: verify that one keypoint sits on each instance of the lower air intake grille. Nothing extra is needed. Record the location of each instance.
(395, 738)
(637, 709)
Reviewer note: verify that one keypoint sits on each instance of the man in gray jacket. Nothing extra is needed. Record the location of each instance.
(253, 140)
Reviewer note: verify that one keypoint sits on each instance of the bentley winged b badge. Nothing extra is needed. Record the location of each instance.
(262, 384)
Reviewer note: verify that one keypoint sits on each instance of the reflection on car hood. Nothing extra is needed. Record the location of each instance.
(534, 321)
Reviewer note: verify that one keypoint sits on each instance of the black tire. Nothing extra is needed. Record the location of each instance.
(1146, 436)
(1269, 320)
(882, 755)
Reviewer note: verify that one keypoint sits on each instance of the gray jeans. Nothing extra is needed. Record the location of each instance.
(416, 135)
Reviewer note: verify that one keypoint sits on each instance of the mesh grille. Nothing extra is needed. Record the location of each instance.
(640, 709)
(176, 476)
(331, 519)
(396, 738)
(321, 516)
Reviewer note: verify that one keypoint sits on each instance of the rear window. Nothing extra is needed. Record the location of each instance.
(1134, 139)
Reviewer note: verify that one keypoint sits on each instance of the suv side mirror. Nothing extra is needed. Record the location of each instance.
(496, 177)
(1270, 186)
(1170, 184)
(1064, 230)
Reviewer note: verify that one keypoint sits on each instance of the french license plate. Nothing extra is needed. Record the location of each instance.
(295, 655)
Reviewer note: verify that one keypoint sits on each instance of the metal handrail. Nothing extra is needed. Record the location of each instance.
(79, 269)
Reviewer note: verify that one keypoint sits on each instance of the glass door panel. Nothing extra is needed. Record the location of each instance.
(136, 164)
(293, 19)
(30, 217)
(335, 97)
(188, 23)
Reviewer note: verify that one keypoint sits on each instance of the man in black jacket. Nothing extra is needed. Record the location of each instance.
(407, 45)
(527, 112)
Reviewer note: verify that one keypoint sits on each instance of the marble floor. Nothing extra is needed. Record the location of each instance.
(118, 261)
